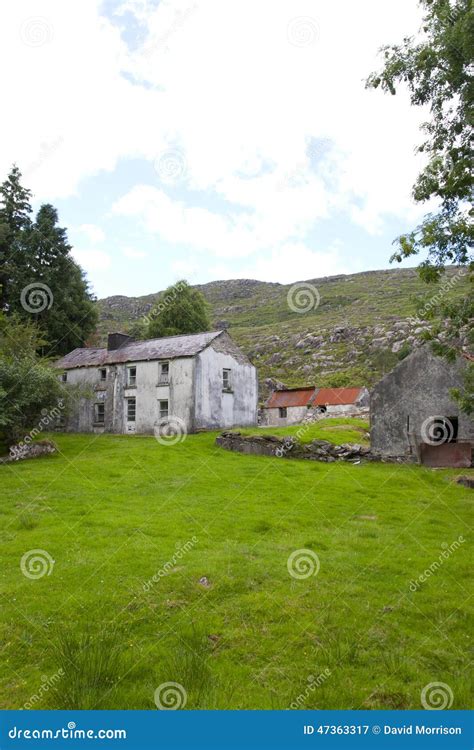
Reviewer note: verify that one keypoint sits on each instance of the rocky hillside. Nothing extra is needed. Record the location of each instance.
(351, 330)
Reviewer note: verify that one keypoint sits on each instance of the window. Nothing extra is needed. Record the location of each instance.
(131, 409)
(226, 380)
(64, 377)
(131, 376)
(103, 374)
(282, 412)
(99, 413)
(163, 373)
(163, 409)
(439, 430)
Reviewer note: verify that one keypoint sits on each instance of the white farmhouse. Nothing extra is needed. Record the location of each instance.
(201, 381)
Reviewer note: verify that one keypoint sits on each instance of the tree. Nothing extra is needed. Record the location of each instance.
(437, 69)
(42, 280)
(31, 394)
(15, 212)
(66, 313)
(179, 309)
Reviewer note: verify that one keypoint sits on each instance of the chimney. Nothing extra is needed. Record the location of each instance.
(117, 341)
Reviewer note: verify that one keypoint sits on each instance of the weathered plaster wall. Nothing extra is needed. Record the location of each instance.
(147, 392)
(214, 407)
(417, 388)
(81, 418)
(294, 415)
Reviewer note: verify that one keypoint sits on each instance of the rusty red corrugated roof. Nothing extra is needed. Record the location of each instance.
(335, 396)
(291, 397)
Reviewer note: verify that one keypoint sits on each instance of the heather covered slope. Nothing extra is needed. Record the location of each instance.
(361, 326)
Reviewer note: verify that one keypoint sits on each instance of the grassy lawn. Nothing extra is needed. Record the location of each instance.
(224, 618)
(335, 430)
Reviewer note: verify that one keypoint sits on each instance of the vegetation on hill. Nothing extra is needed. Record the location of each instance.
(181, 308)
(186, 579)
(436, 67)
(361, 327)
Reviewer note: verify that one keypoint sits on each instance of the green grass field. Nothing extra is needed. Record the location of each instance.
(222, 616)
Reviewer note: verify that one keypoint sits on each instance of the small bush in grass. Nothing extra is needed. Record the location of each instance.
(189, 666)
(27, 521)
(92, 665)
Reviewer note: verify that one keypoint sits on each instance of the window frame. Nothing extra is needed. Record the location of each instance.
(102, 378)
(64, 377)
(129, 401)
(227, 379)
(164, 379)
(161, 409)
(131, 379)
(99, 405)
(282, 412)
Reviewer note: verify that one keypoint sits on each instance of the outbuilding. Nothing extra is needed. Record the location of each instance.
(413, 414)
(294, 405)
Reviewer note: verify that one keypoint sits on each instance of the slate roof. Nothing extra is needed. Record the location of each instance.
(169, 347)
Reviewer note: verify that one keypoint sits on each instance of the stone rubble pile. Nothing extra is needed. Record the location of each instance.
(287, 447)
(30, 450)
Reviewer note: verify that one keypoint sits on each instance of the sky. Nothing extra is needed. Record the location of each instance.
(211, 139)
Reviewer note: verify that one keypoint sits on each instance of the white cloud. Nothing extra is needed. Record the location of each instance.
(294, 262)
(235, 89)
(291, 262)
(186, 269)
(92, 232)
(133, 253)
(92, 260)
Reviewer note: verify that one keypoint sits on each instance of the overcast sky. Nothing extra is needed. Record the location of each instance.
(211, 139)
